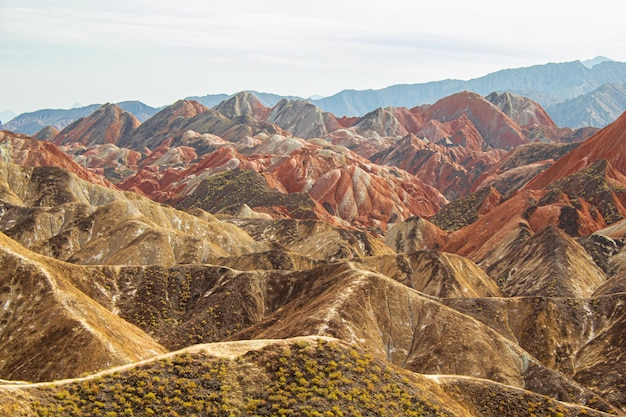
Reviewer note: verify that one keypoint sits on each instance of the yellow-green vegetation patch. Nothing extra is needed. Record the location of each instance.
(326, 379)
(235, 187)
(184, 385)
(307, 378)
(461, 212)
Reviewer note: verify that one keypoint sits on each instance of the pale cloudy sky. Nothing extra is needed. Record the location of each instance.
(56, 53)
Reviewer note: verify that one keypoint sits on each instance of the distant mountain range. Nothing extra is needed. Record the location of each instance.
(575, 94)
(595, 108)
(267, 99)
(547, 84)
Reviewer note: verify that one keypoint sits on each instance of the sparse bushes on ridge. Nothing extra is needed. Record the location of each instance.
(310, 378)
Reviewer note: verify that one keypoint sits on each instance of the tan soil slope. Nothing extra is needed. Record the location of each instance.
(408, 329)
(581, 337)
(50, 330)
(55, 213)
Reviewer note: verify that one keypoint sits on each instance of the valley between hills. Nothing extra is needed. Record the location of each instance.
(464, 258)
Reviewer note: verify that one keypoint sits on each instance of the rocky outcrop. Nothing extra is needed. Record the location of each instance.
(466, 211)
(549, 264)
(414, 234)
(107, 160)
(527, 113)
(362, 197)
(234, 188)
(381, 122)
(439, 274)
(314, 239)
(452, 170)
(24, 150)
(521, 165)
(160, 126)
(578, 337)
(496, 128)
(46, 134)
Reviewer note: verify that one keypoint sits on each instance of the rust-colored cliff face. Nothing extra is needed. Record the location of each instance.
(607, 144)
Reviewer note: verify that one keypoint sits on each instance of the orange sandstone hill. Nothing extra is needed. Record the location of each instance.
(107, 124)
(607, 144)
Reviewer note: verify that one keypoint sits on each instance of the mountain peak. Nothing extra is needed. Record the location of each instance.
(243, 103)
(107, 124)
(590, 63)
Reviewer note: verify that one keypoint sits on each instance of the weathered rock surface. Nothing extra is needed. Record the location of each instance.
(439, 274)
(580, 337)
(300, 118)
(24, 150)
(243, 103)
(549, 264)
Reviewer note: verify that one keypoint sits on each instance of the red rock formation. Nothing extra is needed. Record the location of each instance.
(364, 197)
(607, 144)
(452, 170)
(346, 121)
(118, 162)
(496, 128)
(522, 164)
(376, 195)
(107, 124)
(531, 211)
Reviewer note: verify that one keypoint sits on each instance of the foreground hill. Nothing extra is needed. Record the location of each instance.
(302, 376)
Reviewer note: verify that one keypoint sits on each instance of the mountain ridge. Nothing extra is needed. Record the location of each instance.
(549, 84)
(472, 240)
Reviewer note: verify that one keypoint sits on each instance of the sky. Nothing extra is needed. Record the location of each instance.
(54, 54)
